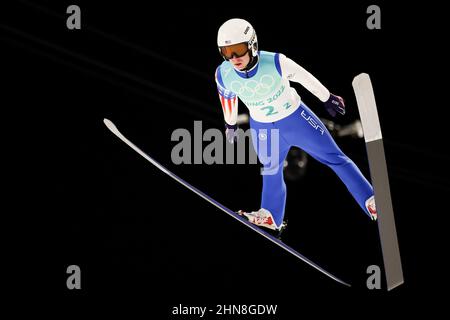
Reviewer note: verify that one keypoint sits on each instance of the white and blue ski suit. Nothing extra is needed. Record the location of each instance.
(273, 104)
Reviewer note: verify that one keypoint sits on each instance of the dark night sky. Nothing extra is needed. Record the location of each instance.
(135, 232)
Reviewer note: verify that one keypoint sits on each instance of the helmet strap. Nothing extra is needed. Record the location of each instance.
(253, 61)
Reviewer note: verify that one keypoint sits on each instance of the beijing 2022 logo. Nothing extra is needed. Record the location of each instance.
(253, 88)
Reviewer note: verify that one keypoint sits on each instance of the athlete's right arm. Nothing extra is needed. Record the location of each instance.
(228, 100)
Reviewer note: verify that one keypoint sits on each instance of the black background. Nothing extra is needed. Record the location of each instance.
(83, 197)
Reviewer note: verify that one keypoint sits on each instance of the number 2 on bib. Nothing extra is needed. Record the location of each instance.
(270, 110)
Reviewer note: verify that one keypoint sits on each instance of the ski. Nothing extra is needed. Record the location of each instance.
(365, 99)
(233, 214)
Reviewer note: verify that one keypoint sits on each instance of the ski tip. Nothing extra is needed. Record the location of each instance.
(361, 76)
(108, 123)
(111, 126)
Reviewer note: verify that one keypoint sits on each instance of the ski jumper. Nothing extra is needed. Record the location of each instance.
(273, 104)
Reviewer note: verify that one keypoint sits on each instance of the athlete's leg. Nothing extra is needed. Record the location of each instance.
(271, 150)
(305, 130)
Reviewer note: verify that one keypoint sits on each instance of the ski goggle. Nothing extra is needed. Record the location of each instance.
(238, 50)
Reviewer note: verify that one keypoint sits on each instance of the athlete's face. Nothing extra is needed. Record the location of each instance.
(242, 62)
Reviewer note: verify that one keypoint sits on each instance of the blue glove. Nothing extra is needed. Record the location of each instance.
(335, 104)
(230, 132)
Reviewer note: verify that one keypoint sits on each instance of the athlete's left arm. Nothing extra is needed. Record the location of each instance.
(294, 72)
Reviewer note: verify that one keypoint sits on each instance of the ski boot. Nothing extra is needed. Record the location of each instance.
(263, 218)
(371, 208)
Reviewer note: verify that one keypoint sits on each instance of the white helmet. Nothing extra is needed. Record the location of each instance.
(236, 31)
